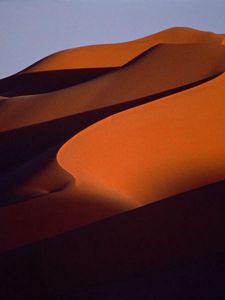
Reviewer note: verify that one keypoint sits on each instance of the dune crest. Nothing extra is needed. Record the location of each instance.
(118, 54)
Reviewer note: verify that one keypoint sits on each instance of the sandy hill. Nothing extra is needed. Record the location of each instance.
(113, 168)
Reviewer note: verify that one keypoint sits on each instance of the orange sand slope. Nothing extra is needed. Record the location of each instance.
(125, 138)
(155, 150)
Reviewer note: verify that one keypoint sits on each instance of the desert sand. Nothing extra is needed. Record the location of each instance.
(112, 165)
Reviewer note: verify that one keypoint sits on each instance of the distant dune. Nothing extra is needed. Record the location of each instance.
(113, 169)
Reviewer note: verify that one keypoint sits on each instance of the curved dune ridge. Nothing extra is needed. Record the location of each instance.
(154, 150)
(105, 147)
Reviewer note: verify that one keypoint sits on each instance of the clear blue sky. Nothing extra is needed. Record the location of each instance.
(33, 29)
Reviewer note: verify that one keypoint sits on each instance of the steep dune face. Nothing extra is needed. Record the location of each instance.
(156, 150)
(104, 131)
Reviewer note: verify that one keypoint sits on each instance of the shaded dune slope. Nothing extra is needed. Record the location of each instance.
(112, 158)
(47, 81)
(175, 231)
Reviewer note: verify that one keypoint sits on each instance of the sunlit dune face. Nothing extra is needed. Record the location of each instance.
(156, 150)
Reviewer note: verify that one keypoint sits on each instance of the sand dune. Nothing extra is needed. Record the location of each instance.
(112, 164)
(157, 149)
(115, 55)
(182, 65)
(77, 65)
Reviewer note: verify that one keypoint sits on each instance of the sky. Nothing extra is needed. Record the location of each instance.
(33, 29)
